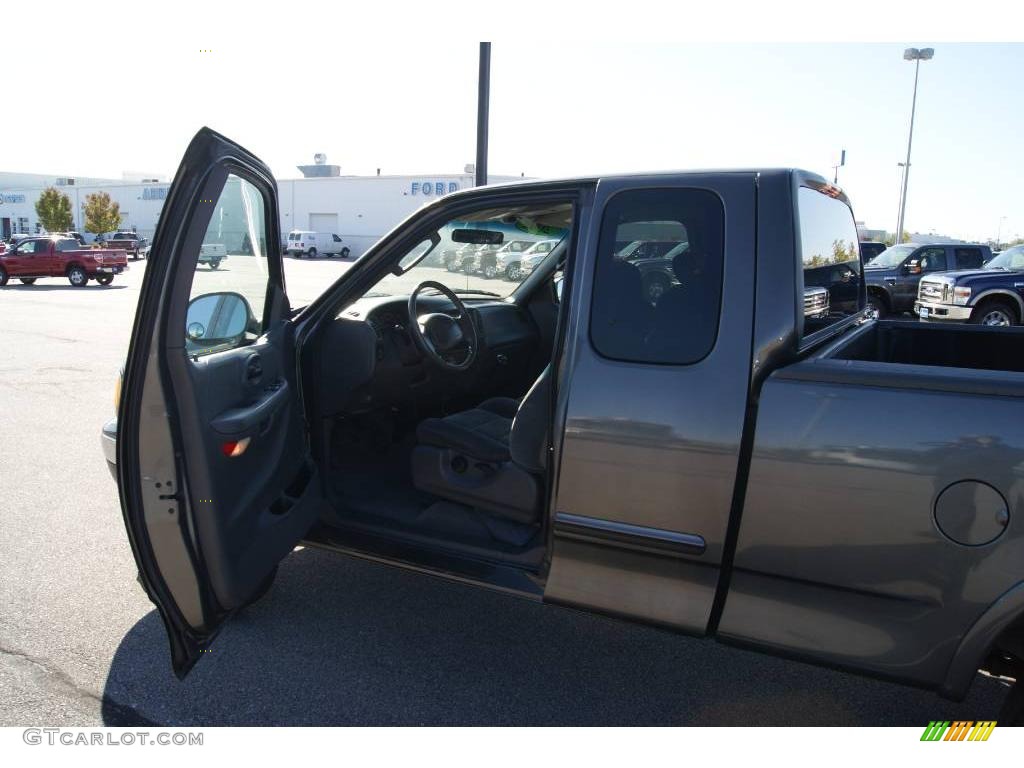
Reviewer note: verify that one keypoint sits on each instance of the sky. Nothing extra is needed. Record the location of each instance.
(561, 109)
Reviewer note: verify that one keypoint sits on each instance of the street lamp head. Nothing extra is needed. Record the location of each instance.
(914, 54)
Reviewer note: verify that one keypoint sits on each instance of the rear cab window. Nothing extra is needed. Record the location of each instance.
(832, 286)
(968, 258)
(663, 308)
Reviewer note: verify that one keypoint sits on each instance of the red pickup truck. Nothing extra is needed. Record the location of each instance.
(38, 257)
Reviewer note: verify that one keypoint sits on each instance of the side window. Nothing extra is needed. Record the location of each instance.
(227, 303)
(932, 260)
(968, 258)
(28, 247)
(336, 238)
(659, 310)
(830, 252)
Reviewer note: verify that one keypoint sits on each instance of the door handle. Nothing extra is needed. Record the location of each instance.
(236, 422)
(253, 369)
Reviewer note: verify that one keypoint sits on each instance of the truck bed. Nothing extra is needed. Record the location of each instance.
(907, 354)
(839, 556)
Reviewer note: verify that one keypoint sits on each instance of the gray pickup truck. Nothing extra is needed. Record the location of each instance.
(717, 461)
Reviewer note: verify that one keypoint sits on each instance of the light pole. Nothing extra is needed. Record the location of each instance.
(483, 103)
(916, 55)
(999, 232)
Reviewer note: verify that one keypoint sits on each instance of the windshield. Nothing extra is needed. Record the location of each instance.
(893, 256)
(475, 268)
(1011, 258)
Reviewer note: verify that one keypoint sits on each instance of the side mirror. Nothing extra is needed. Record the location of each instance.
(217, 318)
(912, 268)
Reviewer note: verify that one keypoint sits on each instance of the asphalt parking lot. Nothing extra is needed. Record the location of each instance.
(337, 640)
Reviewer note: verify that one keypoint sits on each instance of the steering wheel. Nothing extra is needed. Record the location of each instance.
(438, 334)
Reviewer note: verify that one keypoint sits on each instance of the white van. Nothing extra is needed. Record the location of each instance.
(310, 244)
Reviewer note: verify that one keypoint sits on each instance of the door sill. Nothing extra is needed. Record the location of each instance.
(378, 548)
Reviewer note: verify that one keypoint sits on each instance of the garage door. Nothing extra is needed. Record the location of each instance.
(323, 222)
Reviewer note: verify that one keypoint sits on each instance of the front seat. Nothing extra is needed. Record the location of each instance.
(492, 457)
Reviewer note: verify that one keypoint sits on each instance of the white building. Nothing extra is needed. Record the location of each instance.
(360, 209)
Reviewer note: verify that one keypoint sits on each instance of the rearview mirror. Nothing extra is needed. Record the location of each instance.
(477, 236)
(217, 318)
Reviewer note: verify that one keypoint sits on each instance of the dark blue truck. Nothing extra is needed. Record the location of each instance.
(993, 295)
(892, 276)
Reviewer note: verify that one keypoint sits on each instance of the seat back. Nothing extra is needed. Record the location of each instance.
(528, 441)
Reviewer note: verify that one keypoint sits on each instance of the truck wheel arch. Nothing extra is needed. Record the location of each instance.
(979, 641)
(1007, 297)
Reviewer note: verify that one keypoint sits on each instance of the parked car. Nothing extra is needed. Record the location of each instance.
(704, 465)
(535, 254)
(655, 261)
(453, 258)
(509, 258)
(130, 242)
(49, 256)
(302, 243)
(212, 254)
(483, 261)
(892, 277)
(869, 249)
(993, 295)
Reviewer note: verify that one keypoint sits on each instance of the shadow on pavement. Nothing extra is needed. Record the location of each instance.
(340, 641)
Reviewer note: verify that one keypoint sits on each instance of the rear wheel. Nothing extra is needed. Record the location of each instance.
(997, 314)
(104, 279)
(490, 271)
(514, 272)
(345, 252)
(27, 280)
(215, 264)
(312, 253)
(77, 276)
(877, 306)
(4, 277)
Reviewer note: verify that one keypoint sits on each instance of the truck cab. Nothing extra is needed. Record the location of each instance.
(707, 461)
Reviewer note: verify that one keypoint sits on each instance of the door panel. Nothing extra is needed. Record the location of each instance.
(214, 471)
(649, 456)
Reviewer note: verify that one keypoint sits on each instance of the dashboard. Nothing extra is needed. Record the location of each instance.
(366, 357)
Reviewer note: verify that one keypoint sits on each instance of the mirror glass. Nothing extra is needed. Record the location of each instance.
(478, 236)
(216, 318)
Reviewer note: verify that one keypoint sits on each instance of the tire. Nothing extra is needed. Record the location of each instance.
(468, 269)
(514, 272)
(995, 314)
(215, 264)
(312, 253)
(27, 280)
(877, 306)
(655, 286)
(345, 252)
(450, 266)
(104, 279)
(490, 271)
(4, 277)
(77, 277)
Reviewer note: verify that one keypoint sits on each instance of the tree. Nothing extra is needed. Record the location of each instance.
(101, 213)
(54, 210)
